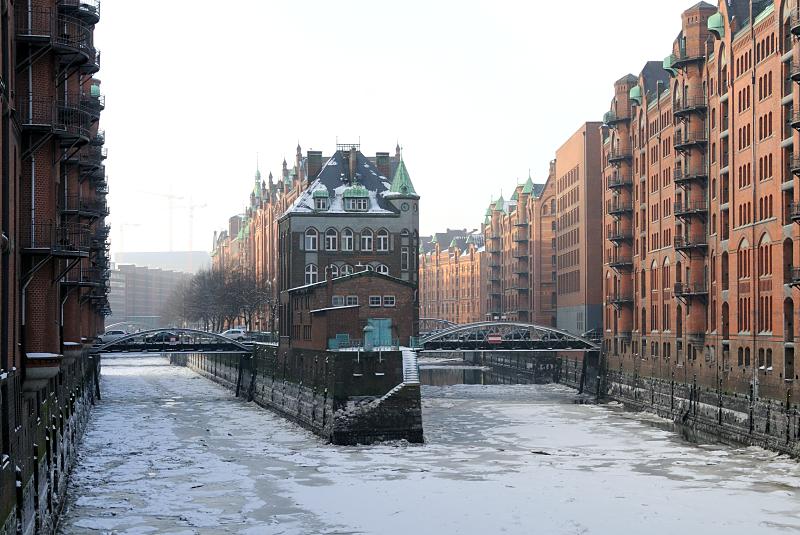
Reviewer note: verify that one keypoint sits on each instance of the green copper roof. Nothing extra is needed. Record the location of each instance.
(487, 221)
(515, 196)
(488, 211)
(716, 25)
(527, 189)
(453, 243)
(94, 91)
(321, 193)
(636, 94)
(500, 204)
(434, 239)
(354, 191)
(668, 62)
(470, 239)
(401, 183)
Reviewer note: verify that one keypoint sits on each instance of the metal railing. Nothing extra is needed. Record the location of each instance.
(682, 139)
(689, 289)
(690, 207)
(685, 242)
(61, 31)
(620, 180)
(84, 7)
(690, 172)
(689, 104)
(621, 298)
(620, 208)
(65, 238)
(619, 154)
(620, 235)
(76, 203)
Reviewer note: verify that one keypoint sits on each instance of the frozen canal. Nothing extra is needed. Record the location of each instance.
(168, 452)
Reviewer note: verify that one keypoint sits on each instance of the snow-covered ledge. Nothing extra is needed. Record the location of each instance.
(40, 368)
(72, 350)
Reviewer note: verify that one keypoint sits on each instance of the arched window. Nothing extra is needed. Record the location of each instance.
(331, 240)
(383, 269)
(383, 240)
(405, 233)
(347, 240)
(312, 274)
(333, 271)
(366, 239)
(346, 269)
(312, 238)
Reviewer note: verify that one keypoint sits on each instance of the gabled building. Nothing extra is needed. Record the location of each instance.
(357, 213)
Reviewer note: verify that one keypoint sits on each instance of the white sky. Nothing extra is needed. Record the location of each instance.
(477, 93)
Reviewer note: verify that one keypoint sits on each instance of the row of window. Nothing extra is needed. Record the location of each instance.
(358, 204)
(345, 242)
(375, 301)
(334, 271)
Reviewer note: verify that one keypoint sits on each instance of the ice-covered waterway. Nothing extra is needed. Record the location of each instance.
(168, 452)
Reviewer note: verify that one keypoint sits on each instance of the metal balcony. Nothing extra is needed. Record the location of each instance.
(690, 105)
(794, 21)
(690, 208)
(68, 122)
(794, 71)
(623, 335)
(691, 173)
(687, 140)
(612, 118)
(794, 120)
(520, 254)
(93, 104)
(56, 239)
(620, 181)
(99, 138)
(619, 236)
(621, 263)
(794, 166)
(70, 36)
(88, 10)
(686, 244)
(620, 208)
(793, 277)
(689, 290)
(89, 208)
(522, 270)
(684, 57)
(620, 299)
(520, 238)
(87, 277)
(619, 155)
(794, 212)
(522, 224)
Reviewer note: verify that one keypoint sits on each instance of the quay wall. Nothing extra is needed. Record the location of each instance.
(42, 423)
(345, 397)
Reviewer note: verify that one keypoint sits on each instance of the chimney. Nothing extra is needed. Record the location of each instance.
(382, 163)
(314, 160)
(353, 160)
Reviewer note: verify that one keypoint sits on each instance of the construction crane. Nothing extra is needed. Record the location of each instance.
(191, 206)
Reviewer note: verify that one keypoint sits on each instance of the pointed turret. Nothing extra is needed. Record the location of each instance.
(527, 189)
(401, 183)
(500, 205)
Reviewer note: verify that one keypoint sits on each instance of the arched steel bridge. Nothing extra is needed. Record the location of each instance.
(504, 336)
(430, 325)
(167, 340)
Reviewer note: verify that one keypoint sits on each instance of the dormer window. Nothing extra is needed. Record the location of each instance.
(321, 203)
(359, 204)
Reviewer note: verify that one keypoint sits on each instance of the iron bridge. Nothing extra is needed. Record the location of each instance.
(432, 325)
(172, 341)
(504, 336)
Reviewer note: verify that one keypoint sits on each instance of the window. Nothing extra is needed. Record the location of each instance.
(311, 239)
(366, 240)
(321, 203)
(383, 240)
(331, 240)
(333, 270)
(360, 204)
(311, 274)
(351, 300)
(338, 301)
(347, 240)
(383, 269)
(374, 300)
(388, 300)
(404, 258)
(346, 269)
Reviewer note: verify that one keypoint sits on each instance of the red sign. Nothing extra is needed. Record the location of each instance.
(494, 339)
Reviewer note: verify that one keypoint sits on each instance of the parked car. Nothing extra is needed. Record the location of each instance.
(235, 334)
(162, 337)
(110, 336)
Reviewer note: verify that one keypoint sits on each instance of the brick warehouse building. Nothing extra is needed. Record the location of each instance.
(53, 281)
(700, 204)
(518, 235)
(452, 274)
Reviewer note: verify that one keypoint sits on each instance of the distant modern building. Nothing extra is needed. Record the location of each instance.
(139, 294)
(184, 261)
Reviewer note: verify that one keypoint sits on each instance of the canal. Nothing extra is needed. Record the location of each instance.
(168, 452)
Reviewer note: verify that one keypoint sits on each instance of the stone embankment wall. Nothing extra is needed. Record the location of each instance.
(345, 397)
(42, 423)
(710, 412)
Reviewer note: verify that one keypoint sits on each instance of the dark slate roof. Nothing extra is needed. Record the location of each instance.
(627, 79)
(538, 189)
(344, 278)
(334, 177)
(704, 5)
(445, 239)
(653, 72)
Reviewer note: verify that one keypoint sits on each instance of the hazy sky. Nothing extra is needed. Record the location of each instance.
(477, 93)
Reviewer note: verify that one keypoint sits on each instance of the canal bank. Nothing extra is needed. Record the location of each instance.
(167, 451)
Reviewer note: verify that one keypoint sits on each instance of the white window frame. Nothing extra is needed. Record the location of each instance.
(405, 257)
(382, 241)
(337, 301)
(375, 301)
(357, 204)
(311, 274)
(331, 239)
(351, 300)
(346, 269)
(333, 269)
(383, 269)
(389, 301)
(367, 239)
(321, 203)
(311, 239)
(347, 239)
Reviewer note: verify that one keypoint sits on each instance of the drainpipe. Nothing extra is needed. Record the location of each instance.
(753, 244)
